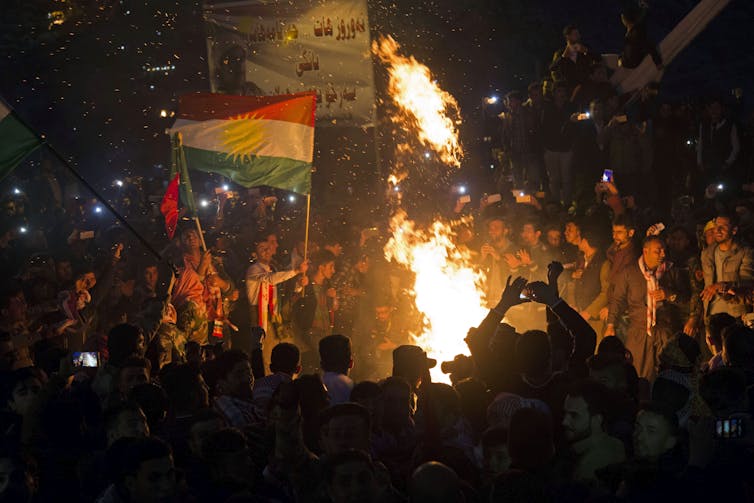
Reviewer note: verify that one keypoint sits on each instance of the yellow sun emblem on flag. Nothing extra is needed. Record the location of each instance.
(243, 137)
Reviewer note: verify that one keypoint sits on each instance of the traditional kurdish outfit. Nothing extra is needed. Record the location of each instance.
(264, 305)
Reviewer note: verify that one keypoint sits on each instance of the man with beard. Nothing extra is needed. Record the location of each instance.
(727, 264)
(492, 255)
(585, 416)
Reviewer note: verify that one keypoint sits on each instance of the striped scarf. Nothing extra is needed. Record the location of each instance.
(653, 283)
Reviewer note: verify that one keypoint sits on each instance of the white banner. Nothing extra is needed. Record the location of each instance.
(262, 47)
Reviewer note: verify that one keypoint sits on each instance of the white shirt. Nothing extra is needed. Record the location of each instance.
(338, 386)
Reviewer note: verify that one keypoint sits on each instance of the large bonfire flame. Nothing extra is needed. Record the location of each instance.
(447, 289)
(425, 108)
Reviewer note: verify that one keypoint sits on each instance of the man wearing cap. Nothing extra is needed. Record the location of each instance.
(411, 363)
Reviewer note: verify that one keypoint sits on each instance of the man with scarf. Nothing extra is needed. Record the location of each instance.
(262, 291)
(654, 295)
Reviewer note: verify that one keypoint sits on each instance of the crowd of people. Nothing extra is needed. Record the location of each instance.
(616, 361)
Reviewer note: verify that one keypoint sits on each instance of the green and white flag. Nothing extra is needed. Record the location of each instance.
(16, 141)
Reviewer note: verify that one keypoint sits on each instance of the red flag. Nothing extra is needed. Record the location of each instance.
(169, 206)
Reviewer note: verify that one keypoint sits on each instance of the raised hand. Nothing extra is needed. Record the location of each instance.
(542, 292)
(554, 270)
(512, 293)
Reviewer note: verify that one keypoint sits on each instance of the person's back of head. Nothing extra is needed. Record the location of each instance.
(724, 390)
(530, 439)
(124, 420)
(533, 353)
(153, 401)
(445, 402)
(335, 353)
(312, 395)
(738, 347)
(285, 358)
(124, 340)
(718, 322)
(435, 482)
(226, 454)
(185, 388)
(474, 401)
(612, 345)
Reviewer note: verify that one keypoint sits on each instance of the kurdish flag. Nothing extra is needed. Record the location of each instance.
(253, 140)
(16, 141)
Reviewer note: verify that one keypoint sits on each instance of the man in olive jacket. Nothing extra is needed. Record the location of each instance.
(727, 265)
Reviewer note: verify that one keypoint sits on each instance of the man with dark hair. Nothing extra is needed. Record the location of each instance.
(718, 144)
(336, 363)
(135, 370)
(590, 280)
(519, 145)
(144, 472)
(637, 45)
(726, 265)
(123, 342)
(531, 261)
(351, 477)
(621, 253)
(315, 311)
(571, 64)
(655, 298)
(718, 323)
(285, 364)
(655, 431)
(586, 410)
(262, 283)
(558, 138)
(496, 245)
(233, 384)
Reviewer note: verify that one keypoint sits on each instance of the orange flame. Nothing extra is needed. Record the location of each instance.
(447, 290)
(432, 112)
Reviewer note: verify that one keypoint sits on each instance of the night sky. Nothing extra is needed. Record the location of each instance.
(85, 83)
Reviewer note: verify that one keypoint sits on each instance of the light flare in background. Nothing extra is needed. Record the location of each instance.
(447, 289)
(425, 108)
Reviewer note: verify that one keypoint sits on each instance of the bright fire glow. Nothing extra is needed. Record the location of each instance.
(425, 108)
(447, 289)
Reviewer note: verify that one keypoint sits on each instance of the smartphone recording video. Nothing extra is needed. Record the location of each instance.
(88, 359)
(729, 428)
(607, 175)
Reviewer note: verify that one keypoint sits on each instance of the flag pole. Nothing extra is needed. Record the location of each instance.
(120, 218)
(183, 171)
(306, 232)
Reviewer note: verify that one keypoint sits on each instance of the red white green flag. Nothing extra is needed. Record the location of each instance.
(253, 140)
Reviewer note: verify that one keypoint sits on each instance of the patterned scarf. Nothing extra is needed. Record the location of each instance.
(653, 283)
